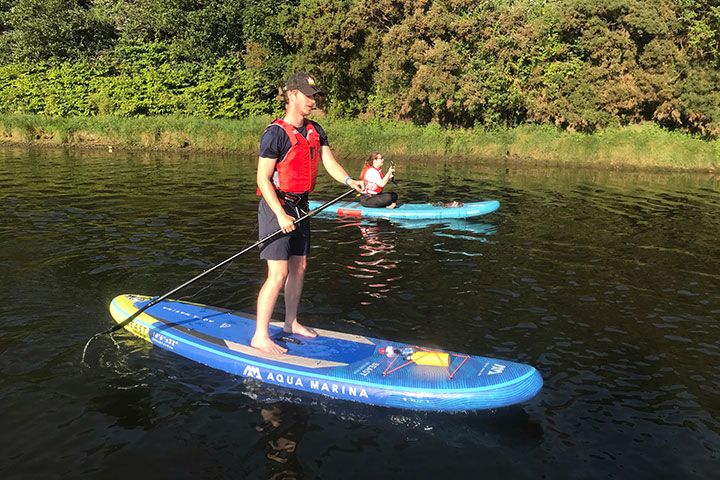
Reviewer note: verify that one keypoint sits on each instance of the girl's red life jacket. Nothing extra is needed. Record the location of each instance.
(370, 188)
(298, 169)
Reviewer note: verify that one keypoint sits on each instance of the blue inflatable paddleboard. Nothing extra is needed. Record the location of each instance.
(409, 210)
(338, 365)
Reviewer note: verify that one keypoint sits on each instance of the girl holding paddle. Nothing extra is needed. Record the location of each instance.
(374, 181)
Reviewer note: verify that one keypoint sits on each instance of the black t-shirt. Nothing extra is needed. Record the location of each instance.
(275, 143)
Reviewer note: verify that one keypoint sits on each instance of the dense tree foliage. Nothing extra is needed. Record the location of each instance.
(576, 64)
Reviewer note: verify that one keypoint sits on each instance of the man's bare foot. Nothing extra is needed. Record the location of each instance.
(299, 329)
(266, 345)
(392, 205)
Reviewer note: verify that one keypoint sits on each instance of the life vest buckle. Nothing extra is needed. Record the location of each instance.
(294, 198)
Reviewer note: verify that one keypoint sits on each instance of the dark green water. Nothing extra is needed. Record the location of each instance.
(608, 283)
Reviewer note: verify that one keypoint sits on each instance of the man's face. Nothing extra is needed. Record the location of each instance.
(304, 103)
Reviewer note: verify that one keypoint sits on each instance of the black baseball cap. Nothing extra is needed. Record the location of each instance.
(304, 82)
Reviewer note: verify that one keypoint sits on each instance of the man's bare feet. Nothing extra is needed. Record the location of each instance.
(392, 205)
(299, 329)
(266, 345)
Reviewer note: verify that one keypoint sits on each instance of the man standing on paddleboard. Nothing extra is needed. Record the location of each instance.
(291, 149)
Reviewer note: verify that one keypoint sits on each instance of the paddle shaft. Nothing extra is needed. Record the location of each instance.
(224, 262)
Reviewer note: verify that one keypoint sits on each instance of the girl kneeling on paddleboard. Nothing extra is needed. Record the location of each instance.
(374, 180)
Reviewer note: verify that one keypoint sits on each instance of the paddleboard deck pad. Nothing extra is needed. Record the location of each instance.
(338, 365)
(409, 210)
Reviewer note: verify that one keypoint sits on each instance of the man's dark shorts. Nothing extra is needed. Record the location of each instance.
(284, 245)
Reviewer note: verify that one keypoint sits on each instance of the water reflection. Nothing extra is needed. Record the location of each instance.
(337, 434)
(459, 228)
(382, 259)
(283, 425)
(376, 260)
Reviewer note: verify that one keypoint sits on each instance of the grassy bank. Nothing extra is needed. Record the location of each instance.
(641, 146)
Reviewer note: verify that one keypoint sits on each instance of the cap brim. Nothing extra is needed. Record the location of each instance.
(310, 90)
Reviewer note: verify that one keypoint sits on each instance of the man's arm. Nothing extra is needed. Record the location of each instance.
(265, 171)
(336, 170)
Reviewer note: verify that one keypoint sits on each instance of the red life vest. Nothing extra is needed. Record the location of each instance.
(369, 187)
(297, 171)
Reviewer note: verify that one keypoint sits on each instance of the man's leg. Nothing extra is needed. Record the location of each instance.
(293, 291)
(277, 275)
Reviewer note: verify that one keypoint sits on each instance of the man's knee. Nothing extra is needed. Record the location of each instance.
(277, 273)
(297, 264)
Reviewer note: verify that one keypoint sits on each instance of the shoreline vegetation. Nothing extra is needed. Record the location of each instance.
(583, 83)
(643, 146)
